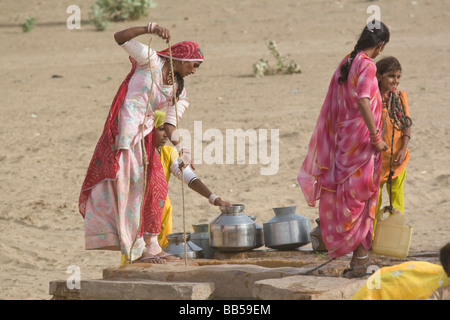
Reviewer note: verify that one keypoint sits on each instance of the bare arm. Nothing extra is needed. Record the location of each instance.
(175, 139)
(402, 152)
(199, 187)
(406, 137)
(170, 129)
(125, 35)
(191, 179)
(366, 113)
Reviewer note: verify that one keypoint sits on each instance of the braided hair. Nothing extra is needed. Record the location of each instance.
(369, 38)
(180, 82)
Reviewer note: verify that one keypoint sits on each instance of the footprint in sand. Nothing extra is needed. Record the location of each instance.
(442, 180)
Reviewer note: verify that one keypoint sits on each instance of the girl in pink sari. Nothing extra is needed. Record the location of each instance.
(343, 163)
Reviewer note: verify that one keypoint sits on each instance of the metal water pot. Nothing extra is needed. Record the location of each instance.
(259, 234)
(287, 230)
(232, 230)
(176, 246)
(200, 237)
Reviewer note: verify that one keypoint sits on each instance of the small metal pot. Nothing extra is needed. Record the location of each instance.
(232, 230)
(176, 246)
(200, 237)
(287, 230)
(316, 238)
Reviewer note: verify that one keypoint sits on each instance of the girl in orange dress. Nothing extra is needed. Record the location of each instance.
(389, 72)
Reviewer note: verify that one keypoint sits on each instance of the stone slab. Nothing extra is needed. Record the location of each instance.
(303, 260)
(131, 290)
(255, 274)
(230, 281)
(267, 253)
(307, 288)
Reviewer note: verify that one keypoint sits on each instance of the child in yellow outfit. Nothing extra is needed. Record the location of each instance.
(389, 73)
(169, 157)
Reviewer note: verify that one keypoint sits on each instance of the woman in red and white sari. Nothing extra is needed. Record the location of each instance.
(121, 206)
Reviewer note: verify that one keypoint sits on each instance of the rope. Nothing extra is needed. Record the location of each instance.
(182, 171)
(318, 267)
(144, 152)
(400, 121)
(378, 153)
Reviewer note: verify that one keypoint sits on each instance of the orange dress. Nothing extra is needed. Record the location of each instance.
(398, 142)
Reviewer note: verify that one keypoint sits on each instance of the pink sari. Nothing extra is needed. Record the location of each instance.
(341, 168)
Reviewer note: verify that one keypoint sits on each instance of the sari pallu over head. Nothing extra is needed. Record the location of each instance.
(340, 163)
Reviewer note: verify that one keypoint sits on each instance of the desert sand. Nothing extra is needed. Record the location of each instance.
(57, 85)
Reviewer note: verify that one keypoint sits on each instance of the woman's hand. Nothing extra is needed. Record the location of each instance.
(387, 93)
(381, 146)
(400, 157)
(185, 155)
(183, 165)
(219, 202)
(162, 33)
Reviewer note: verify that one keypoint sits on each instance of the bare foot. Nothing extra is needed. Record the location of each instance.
(149, 258)
(154, 260)
(164, 255)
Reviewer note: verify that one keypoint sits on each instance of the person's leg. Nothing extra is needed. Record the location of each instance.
(377, 212)
(166, 224)
(397, 191)
(153, 249)
(360, 257)
(359, 264)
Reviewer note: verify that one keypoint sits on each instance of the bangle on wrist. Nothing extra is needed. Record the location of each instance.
(151, 26)
(375, 138)
(376, 141)
(212, 198)
(405, 135)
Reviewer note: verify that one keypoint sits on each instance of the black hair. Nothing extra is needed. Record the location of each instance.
(388, 64)
(444, 257)
(371, 35)
(180, 81)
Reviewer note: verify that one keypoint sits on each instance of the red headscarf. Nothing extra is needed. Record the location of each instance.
(183, 51)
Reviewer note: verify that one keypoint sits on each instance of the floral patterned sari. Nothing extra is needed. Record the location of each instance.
(341, 168)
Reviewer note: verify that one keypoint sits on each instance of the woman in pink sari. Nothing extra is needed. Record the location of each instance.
(343, 163)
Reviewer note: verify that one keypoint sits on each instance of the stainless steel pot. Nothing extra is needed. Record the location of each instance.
(287, 230)
(200, 237)
(232, 230)
(176, 246)
(259, 236)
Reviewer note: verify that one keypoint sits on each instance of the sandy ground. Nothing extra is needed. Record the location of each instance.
(50, 125)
